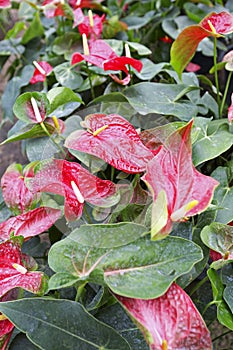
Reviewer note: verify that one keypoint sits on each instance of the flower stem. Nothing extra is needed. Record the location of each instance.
(51, 138)
(221, 335)
(216, 74)
(198, 285)
(225, 92)
(90, 82)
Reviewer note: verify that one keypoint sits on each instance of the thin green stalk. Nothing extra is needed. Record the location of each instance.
(225, 92)
(221, 335)
(216, 74)
(80, 291)
(90, 82)
(51, 138)
(213, 302)
(198, 285)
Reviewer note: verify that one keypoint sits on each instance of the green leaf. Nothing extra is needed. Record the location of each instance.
(67, 76)
(134, 22)
(141, 49)
(11, 47)
(20, 342)
(60, 96)
(160, 98)
(228, 296)
(149, 69)
(28, 132)
(17, 28)
(34, 30)
(213, 139)
(142, 269)
(107, 235)
(69, 42)
(61, 324)
(223, 195)
(218, 237)
(12, 91)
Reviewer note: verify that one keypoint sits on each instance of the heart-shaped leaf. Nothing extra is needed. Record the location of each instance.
(29, 224)
(142, 269)
(64, 324)
(107, 235)
(170, 321)
(219, 237)
(114, 139)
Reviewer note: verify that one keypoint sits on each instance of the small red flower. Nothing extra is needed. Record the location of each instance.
(5, 3)
(100, 54)
(84, 3)
(165, 39)
(75, 183)
(42, 69)
(92, 25)
(53, 8)
(192, 67)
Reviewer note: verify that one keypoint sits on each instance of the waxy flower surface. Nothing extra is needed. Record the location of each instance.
(113, 139)
(185, 45)
(178, 189)
(73, 182)
(92, 25)
(15, 270)
(100, 54)
(14, 190)
(29, 224)
(170, 322)
(5, 3)
(42, 69)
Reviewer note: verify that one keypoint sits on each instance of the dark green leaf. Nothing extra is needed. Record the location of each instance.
(34, 30)
(67, 76)
(60, 96)
(61, 324)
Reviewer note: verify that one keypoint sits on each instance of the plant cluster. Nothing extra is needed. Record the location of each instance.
(117, 233)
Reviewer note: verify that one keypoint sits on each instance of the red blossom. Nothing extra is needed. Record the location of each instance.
(6, 327)
(102, 55)
(5, 3)
(192, 67)
(92, 26)
(113, 139)
(185, 45)
(29, 224)
(165, 39)
(179, 190)
(170, 321)
(41, 71)
(84, 3)
(75, 183)
(15, 272)
(14, 190)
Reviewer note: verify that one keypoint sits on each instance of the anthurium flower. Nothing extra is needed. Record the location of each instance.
(14, 190)
(42, 69)
(85, 3)
(75, 183)
(178, 189)
(6, 327)
(113, 139)
(29, 224)
(100, 54)
(54, 8)
(14, 271)
(92, 25)
(170, 322)
(185, 45)
(5, 3)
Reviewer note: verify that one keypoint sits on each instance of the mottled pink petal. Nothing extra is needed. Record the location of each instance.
(29, 224)
(172, 171)
(13, 273)
(230, 111)
(14, 190)
(38, 75)
(56, 176)
(113, 139)
(5, 3)
(85, 3)
(192, 67)
(169, 322)
(222, 22)
(95, 31)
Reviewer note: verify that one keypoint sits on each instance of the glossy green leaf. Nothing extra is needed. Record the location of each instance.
(228, 296)
(219, 237)
(61, 324)
(34, 30)
(160, 98)
(142, 269)
(149, 69)
(60, 96)
(67, 76)
(66, 43)
(223, 195)
(213, 139)
(141, 49)
(107, 235)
